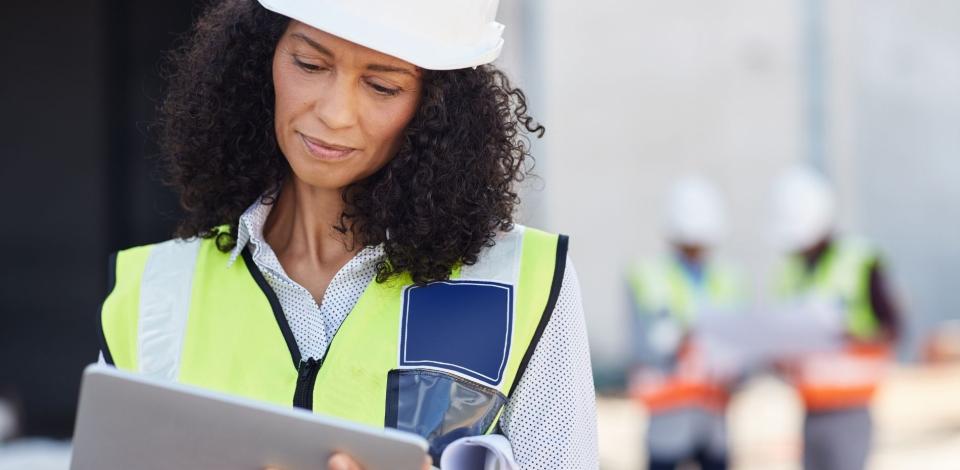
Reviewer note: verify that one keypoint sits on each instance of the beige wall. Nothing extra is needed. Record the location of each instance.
(634, 94)
(638, 93)
(895, 110)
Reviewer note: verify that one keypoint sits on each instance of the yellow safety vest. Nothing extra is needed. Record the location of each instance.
(841, 276)
(662, 286)
(439, 359)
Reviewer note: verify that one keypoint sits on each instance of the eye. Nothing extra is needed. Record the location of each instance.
(308, 67)
(383, 90)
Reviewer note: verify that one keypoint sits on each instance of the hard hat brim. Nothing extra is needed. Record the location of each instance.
(408, 47)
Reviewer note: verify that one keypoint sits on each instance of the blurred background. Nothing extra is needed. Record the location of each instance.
(633, 95)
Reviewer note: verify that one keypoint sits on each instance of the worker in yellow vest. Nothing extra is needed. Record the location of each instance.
(685, 397)
(347, 170)
(842, 279)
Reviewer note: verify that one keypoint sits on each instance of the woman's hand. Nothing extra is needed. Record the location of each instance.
(341, 461)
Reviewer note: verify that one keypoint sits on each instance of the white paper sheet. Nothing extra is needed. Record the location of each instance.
(784, 331)
(490, 452)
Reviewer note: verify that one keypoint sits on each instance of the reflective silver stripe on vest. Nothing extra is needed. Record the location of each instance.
(164, 305)
(500, 262)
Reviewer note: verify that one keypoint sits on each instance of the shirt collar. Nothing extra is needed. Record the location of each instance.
(250, 231)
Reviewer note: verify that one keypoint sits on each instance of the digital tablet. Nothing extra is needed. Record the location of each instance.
(126, 421)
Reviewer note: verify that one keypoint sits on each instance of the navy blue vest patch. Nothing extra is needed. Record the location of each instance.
(461, 326)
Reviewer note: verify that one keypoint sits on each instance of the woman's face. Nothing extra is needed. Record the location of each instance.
(341, 108)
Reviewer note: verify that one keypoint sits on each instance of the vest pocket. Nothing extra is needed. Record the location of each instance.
(439, 406)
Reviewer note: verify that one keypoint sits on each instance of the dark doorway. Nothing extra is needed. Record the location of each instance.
(79, 89)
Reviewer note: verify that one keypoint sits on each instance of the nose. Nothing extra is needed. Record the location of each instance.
(337, 105)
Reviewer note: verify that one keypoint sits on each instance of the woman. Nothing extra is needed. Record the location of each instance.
(347, 170)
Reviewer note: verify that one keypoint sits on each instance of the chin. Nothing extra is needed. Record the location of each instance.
(322, 181)
(319, 174)
(329, 175)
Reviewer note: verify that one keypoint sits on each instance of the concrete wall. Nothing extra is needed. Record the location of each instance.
(895, 105)
(638, 93)
(634, 94)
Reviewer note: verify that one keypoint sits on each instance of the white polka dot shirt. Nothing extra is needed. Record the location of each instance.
(550, 420)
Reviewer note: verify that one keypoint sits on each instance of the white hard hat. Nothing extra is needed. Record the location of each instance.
(695, 214)
(803, 209)
(431, 34)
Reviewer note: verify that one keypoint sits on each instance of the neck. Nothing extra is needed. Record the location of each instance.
(693, 255)
(814, 254)
(302, 225)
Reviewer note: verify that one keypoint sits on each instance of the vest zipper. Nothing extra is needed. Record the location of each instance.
(306, 379)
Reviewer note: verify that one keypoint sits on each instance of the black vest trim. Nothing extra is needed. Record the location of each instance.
(558, 270)
(274, 305)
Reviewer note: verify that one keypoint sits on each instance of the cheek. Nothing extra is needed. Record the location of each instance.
(385, 125)
(292, 99)
(286, 96)
(281, 98)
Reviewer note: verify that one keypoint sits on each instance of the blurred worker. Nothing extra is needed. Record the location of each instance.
(686, 401)
(845, 278)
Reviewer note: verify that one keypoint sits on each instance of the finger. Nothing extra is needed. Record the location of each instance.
(427, 462)
(340, 461)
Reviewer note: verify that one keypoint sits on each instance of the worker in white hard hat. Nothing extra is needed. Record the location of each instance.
(844, 277)
(347, 170)
(686, 398)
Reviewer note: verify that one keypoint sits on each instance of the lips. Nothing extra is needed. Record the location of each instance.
(324, 150)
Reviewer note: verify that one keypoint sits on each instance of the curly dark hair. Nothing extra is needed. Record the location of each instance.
(442, 198)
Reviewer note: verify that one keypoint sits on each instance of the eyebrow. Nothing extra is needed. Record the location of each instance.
(373, 67)
(314, 44)
(390, 68)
